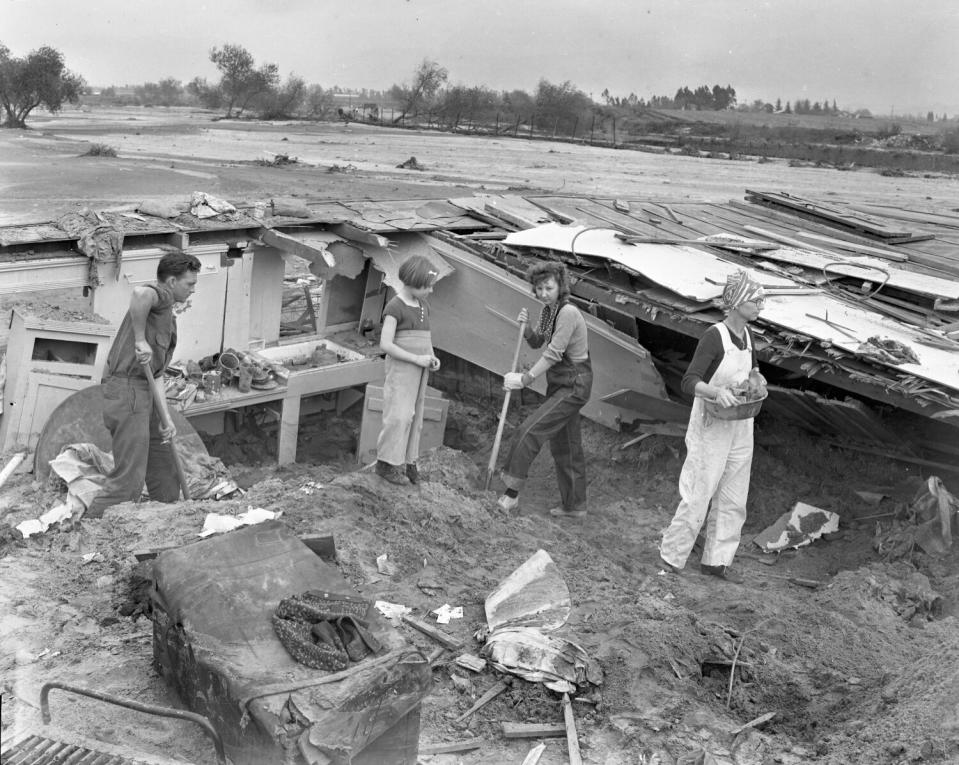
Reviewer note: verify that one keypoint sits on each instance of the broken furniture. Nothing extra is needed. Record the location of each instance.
(54, 746)
(47, 361)
(79, 419)
(435, 410)
(213, 641)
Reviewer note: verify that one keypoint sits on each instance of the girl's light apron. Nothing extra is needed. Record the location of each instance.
(403, 394)
(719, 456)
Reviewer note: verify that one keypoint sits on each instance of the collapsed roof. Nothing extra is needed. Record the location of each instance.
(861, 298)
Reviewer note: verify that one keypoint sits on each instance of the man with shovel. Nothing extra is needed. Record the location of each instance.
(142, 447)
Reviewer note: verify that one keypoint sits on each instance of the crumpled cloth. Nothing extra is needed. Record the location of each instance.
(204, 205)
(85, 466)
(97, 238)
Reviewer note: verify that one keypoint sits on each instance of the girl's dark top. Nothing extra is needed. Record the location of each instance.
(407, 316)
(709, 353)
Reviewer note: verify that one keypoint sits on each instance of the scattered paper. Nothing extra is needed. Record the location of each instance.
(216, 523)
(393, 611)
(446, 612)
(384, 565)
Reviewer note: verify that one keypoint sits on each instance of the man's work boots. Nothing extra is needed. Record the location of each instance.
(723, 572)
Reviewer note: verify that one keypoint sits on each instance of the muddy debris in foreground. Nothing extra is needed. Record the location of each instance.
(861, 670)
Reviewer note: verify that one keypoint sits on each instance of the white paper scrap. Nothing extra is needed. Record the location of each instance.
(446, 612)
(214, 523)
(392, 610)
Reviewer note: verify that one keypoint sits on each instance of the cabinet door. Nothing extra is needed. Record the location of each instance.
(44, 394)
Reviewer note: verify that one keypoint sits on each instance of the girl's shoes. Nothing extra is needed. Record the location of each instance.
(392, 473)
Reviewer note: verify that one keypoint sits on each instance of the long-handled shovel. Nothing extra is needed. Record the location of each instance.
(419, 409)
(502, 415)
(159, 401)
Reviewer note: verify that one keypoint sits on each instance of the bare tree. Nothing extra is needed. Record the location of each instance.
(241, 82)
(427, 80)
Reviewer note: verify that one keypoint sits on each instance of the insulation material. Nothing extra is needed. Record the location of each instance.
(559, 664)
(688, 271)
(534, 595)
(851, 327)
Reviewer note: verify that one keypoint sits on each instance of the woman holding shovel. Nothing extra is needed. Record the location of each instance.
(569, 381)
(408, 346)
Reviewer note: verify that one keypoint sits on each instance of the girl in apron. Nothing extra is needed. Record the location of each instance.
(409, 358)
(715, 476)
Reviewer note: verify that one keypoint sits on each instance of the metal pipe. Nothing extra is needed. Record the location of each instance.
(178, 714)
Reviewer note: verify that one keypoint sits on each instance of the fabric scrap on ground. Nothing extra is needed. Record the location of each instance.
(797, 528)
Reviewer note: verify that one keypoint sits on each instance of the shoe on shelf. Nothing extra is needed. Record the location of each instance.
(723, 572)
(508, 503)
(392, 473)
(559, 512)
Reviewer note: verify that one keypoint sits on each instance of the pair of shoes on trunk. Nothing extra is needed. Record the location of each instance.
(508, 503)
(395, 474)
(560, 512)
(722, 572)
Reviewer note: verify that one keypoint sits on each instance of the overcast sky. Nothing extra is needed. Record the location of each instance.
(885, 55)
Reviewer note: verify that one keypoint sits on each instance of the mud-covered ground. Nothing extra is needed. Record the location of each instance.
(862, 670)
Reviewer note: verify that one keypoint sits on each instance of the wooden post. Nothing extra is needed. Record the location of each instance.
(591, 127)
(572, 739)
(575, 125)
(532, 119)
(497, 124)
(614, 132)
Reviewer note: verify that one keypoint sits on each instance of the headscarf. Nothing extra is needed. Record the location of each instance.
(740, 289)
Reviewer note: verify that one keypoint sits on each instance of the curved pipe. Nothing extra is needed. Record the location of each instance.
(178, 714)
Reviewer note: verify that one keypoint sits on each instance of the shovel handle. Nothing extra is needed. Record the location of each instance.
(502, 415)
(159, 401)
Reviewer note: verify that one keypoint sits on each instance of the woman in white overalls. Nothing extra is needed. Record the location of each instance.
(719, 452)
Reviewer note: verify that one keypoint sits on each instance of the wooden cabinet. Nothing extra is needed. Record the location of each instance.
(47, 361)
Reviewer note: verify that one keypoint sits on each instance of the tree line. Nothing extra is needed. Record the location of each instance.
(245, 88)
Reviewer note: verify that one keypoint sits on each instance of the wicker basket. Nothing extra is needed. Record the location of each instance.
(739, 412)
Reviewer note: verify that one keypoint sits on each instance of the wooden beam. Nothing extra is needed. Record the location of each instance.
(349, 231)
(853, 247)
(483, 700)
(533, 730)
(456, 746)
(572, 739)
(287, 243)
(430, 631)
